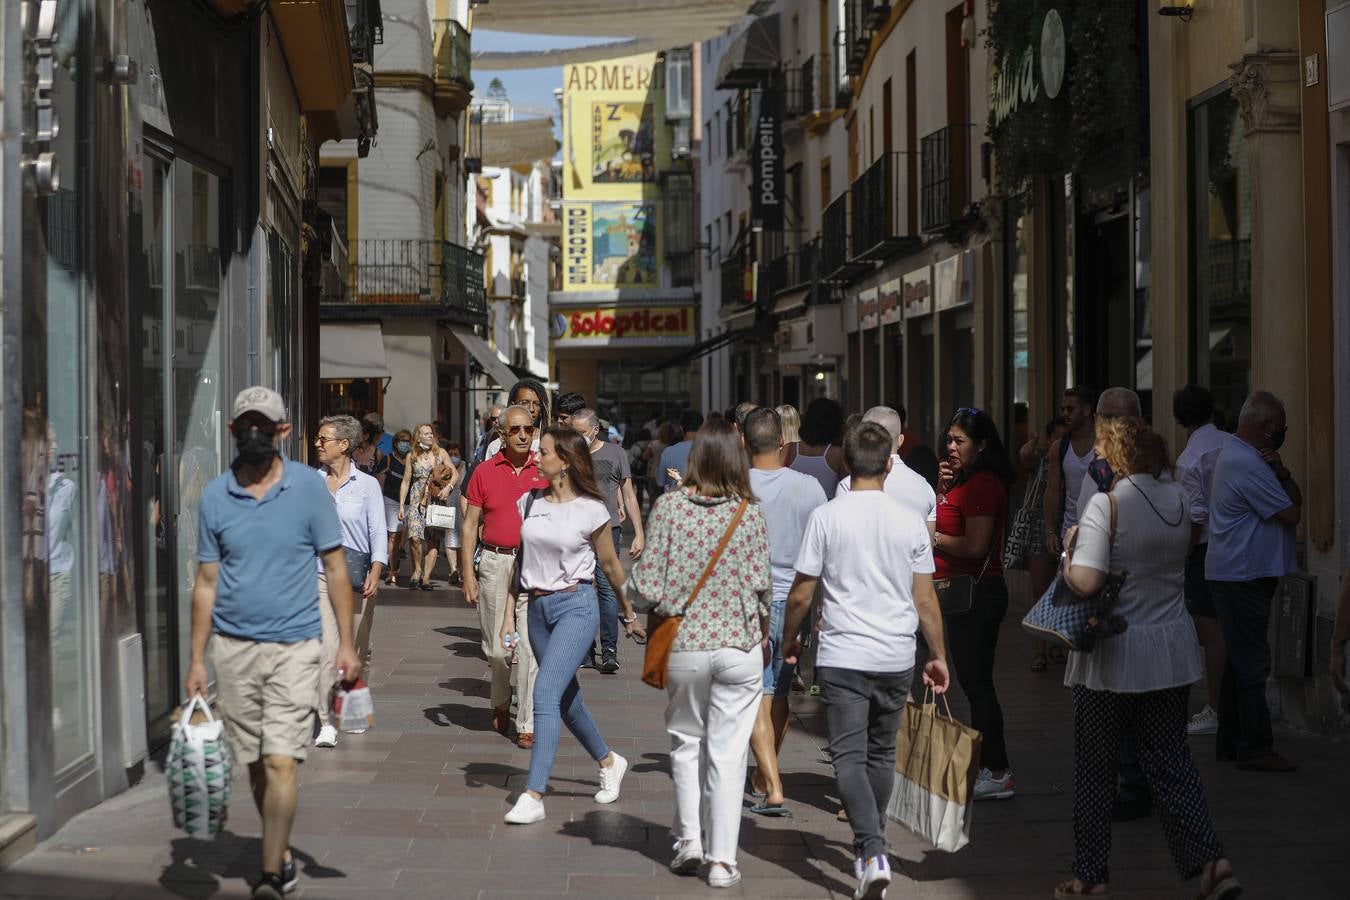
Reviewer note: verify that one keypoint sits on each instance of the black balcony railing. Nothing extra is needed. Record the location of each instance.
(944, 191)
(452, 47)
(681, 268)
(734, 281)
(834, 238)
(877, 215)
(799, 90)
(415, 273)
(365, 30)
(793, 269)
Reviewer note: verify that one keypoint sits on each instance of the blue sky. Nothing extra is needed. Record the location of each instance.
(530, 90)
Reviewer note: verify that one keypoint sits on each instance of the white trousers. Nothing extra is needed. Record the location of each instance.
(714, 699)
(494, 592)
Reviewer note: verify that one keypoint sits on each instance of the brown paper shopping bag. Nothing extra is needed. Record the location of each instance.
(936, 761)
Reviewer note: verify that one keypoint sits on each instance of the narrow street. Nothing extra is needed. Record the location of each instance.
(413, 809)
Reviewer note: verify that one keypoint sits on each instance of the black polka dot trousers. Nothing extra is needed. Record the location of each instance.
(1157, 719)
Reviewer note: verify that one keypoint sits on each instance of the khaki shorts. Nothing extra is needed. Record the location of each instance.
(266, 695)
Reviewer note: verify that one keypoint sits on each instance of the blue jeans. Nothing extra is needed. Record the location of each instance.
(609, 603)
(778, 673)
(561, 629)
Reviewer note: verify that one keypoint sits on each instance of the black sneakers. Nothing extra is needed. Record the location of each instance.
(290, 878)
(610, 663)
(269, 887)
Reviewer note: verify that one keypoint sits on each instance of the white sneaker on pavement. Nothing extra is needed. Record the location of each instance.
(327, 737)
(875, 878)
(611, 777)
(987, 787)
(527, 810)
(688, 857)
(721, 875)
(1206, 721)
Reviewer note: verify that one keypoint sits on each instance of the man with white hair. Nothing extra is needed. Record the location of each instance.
(1253, 511)
(910, 488)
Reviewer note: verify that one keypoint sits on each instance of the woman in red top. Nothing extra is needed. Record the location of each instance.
(972, 514)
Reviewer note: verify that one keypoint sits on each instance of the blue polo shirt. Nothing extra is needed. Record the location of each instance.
(267, 589)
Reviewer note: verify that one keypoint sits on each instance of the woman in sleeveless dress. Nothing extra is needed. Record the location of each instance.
(819, 453)
(426, 456)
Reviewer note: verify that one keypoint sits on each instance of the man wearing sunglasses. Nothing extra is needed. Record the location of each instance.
(494, 487)
(256, 600)
(1254, 507)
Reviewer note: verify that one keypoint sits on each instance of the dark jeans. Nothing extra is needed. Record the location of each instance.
(1244, 716)
(609, 602)
(972, 639)
(862, 713)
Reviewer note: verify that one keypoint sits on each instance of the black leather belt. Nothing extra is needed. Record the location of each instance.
(504, 551)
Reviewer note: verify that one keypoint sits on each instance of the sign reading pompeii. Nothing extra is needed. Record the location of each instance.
(622, 145)
(767, 193)
(917, 293)
(609, 245)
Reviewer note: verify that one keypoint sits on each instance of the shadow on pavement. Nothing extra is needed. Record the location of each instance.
(468, 687)
(449, 715)
(658, 762)
(198, 867)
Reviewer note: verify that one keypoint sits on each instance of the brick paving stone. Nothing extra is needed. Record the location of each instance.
(413, 808)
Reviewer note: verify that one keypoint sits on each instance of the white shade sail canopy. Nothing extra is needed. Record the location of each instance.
(633, 26)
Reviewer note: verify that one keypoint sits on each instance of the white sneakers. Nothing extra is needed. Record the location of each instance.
(1206, 721)
(527, 810)
(688, 857)
(720, 875)
(327, 737)
(987, 787)
(874, 877)
(610, 778)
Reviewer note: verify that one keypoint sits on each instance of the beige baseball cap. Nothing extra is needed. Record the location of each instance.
(261, 400)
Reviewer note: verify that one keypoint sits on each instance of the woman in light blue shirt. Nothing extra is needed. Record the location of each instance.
(360, 508)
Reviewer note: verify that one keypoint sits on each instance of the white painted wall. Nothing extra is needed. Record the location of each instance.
(411, 358)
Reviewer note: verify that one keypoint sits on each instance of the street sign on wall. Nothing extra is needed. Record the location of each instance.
(767, 158)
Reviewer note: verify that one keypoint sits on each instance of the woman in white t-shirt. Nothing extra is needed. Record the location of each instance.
(1137, 682)
(566, 533)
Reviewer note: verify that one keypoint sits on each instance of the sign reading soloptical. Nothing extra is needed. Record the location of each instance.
(767, 204)
(632, 326)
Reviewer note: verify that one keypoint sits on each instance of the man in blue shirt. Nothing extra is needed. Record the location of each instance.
(385, 441)
(676, 456)
(261, 525)
(1254, 507)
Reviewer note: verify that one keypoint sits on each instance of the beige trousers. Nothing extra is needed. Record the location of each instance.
(494, 589)
(328, 658)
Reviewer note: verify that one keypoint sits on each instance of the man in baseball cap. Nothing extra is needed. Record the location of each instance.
(256, 601)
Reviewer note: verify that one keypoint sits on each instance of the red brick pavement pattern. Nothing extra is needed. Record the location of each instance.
(413, 809)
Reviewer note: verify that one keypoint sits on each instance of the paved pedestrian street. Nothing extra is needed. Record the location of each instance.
(414, 808)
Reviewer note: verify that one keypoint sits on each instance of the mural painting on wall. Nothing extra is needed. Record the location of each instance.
(622, 145)
(623, 242)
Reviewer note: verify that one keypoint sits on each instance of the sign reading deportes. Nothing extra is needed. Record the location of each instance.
(608, 326)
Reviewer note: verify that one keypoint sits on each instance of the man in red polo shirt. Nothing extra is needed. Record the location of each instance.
(495, 486)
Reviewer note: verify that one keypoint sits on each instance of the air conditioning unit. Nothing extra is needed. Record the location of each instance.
(680, 144)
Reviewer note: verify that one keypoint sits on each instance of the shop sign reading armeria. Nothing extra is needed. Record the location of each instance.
(767, 206)
(1014, 82)
(634, 326)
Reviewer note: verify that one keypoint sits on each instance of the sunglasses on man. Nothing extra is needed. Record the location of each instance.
(514, 430)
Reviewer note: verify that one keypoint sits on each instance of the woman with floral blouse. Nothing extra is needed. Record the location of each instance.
(716, 668)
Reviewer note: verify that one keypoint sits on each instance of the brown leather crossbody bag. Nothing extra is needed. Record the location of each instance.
(661, 630)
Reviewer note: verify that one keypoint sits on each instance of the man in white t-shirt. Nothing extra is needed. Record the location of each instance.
(875, 560)
(902, 483)
(788, 498)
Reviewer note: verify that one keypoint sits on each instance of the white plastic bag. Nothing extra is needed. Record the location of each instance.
(353, 707)
(199, 770)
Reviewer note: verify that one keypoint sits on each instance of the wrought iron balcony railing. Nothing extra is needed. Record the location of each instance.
(365, 30)
(834, 238)
(422, 273)
(799, 91)
(945, 188)
(452, 47)
(794, 269)
(878, 216)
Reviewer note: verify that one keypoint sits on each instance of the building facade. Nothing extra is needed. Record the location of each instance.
(158, 255)
(625, 310)
(404, 330)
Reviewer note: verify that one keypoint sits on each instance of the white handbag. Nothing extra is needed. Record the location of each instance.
(440, 516)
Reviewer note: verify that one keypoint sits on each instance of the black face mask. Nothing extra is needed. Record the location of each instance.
(1101, 473)
(1276, 438)
(255, 447)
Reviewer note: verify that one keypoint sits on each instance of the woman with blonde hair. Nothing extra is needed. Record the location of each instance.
(1137, 682)
(430, 479)
(715, 674)
(792, 423)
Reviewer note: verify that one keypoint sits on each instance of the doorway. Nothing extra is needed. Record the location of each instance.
(177, 421)
(1105, 334)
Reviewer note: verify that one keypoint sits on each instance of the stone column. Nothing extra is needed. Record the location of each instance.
(1266, 84)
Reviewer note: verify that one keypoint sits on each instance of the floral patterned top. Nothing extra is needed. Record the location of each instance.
(682, 534)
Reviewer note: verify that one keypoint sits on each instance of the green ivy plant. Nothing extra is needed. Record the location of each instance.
(1097, 112)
